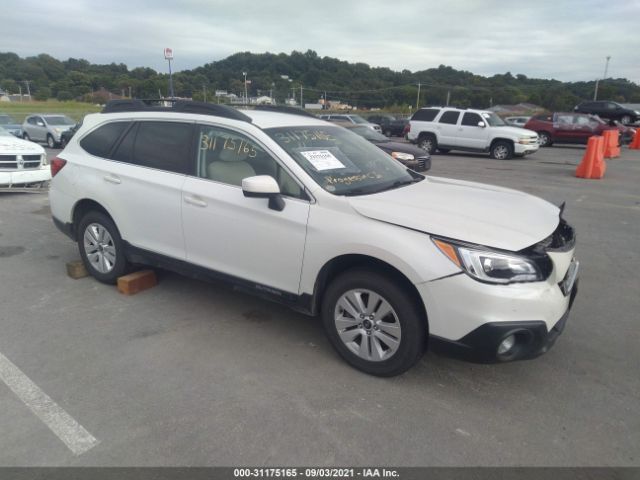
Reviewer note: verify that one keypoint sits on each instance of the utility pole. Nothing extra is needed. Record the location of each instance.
(129, 91)
(448, 97)
(20, 89)
(606, 68)
(326, 105)
(168, 55)
(418, 97)
(28, 89)
(204, 92)
(301, 102)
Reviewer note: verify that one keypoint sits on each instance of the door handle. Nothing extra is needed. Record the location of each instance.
(196, 201)
(112, 179)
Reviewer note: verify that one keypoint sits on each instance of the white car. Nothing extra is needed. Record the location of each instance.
(447, 128)
(22, 164)
(307, 213)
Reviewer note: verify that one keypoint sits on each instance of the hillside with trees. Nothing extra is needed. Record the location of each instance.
(282, 75)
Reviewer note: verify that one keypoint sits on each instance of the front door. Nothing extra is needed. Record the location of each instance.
(235, 235)
(470, 134)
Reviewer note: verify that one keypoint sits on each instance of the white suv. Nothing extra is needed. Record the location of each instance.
(307, 213)
(448, 129)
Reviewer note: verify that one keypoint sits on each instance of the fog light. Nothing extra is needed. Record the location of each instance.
(506, 345)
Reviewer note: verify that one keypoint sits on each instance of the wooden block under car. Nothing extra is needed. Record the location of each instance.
(136, 282)
(76, 269)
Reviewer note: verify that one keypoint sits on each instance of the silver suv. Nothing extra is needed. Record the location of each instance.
(354, 119)
(448, 128)
(46, 128)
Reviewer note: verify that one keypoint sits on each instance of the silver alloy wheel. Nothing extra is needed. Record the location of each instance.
(50, 142)
(426, 144)
(367, 325)
(543, 139)
(500, 152)
(99, 248)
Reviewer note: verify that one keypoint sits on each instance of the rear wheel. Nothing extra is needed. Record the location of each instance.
(428, 142)
(373, 324)
(101, 247)
(501, 150)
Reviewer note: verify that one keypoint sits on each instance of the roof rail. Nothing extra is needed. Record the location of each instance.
(178, 106)
(284, 109)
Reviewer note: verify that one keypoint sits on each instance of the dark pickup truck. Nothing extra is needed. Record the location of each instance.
(390, 125)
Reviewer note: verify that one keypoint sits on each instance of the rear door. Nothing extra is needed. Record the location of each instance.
(140, 183)
(447, 128)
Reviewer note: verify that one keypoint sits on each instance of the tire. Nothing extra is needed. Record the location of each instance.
(387, 133)
(501, 150)
(25, 136)
(98, 234)
(63, 142)
(544, 139)
(374, 337)
(51, 143)
(625, 119)
(427, 142)
(444, 150)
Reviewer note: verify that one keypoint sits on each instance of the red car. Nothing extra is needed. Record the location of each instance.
(564, 127)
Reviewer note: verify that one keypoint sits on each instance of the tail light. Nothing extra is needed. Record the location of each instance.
(56, 165)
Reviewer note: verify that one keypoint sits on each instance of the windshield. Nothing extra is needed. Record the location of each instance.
(340, 161)
(6, 120)
(494, 120)
(59, 120)
(357, 119)
(369, 134)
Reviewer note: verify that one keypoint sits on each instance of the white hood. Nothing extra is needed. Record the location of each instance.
(10, 145)
(515, 132)
(472, 212)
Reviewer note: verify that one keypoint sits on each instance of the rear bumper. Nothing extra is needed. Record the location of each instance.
(481, 345)
(66, 228)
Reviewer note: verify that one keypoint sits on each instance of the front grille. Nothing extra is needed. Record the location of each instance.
(8, 162)
(13, 162)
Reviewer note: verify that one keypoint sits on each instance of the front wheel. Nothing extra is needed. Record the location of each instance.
(545, 139)
(501, 150)
(625, 120)
(51, 143)
(101, 247)
(373, 324)
(387, 133)
(25, 136)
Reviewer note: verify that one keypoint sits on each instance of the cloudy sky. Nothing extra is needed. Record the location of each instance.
(563, 39)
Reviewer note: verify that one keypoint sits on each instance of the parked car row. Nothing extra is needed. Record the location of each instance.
(609, 110)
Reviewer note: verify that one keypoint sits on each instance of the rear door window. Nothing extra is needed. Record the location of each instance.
(450, 117)
(163, 145)
(101, 140)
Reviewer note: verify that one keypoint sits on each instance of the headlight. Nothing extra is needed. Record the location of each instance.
(526, 140)
(402, 156)
(57, 130)
(44, 159)
(636, 112)
(488, 266)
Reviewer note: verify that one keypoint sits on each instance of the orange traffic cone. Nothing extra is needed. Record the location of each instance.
(611, 141)
(635, 143)
(592, 165)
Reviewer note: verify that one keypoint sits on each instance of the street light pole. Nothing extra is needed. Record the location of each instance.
(246, 97)
(606, 68)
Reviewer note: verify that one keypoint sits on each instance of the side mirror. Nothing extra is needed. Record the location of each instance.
(481, 124)
(40, 124)
(263, 186)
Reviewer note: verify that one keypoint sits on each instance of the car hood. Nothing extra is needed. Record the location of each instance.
(14, 145)
(515, 131)
(472, 212)
(401, 147)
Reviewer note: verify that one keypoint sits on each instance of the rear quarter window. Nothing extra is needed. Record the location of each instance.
(425, 114)
(100, 141)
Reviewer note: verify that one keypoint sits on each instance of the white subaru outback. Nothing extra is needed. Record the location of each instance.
(307, 213)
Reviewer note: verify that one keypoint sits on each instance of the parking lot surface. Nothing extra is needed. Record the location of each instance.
(192, 373)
